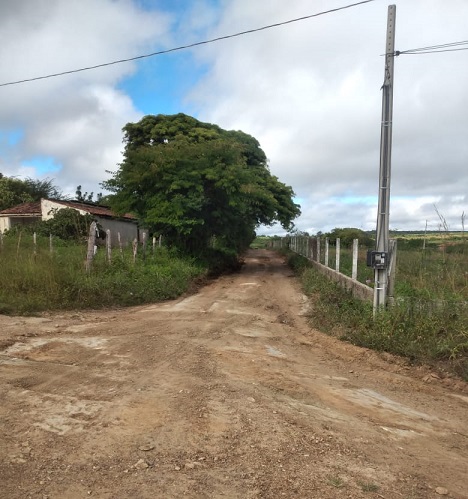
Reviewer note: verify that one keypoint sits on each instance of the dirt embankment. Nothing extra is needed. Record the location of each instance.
(226, 393)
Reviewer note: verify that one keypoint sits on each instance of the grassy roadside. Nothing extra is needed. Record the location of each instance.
(34, 281)
(423, 334)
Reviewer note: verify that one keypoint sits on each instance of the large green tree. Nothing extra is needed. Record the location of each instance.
(191, 181)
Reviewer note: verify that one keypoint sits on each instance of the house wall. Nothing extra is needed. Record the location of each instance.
(4, 224)
(14, 221)
(48, 207)
(128, 230)
(10, 222)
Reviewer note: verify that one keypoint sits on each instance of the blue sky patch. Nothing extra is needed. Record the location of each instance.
(161, 83)
(10, 138)
(43, 164)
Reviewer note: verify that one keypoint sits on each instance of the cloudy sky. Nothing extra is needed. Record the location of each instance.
(309, 91)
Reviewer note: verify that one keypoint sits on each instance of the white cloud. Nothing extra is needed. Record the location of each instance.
(75, 119)
(310, 92)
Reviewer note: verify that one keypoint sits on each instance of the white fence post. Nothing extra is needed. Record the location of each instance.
(327, 247)
(91, 244)
(355, 258)
(108, 246)
(338, 254)
(392, 271)
(135, 249)
(144, 244)
(120, 244)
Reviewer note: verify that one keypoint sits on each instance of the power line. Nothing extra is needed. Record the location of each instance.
(184, 47)
(429, 52)
(433, 49)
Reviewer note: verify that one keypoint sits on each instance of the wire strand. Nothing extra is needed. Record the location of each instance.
(432, 51)
(184, 47)
(432, 47)
(445, 47)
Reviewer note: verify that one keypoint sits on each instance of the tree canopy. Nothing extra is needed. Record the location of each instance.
(193, 181)
(15, 191)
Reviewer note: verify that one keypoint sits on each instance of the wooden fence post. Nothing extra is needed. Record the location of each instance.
(160, 240)
(120, 245)
(91, 244)
(144, 244)
(355, 258)
(108, 246)
(34, 246)
(154, 244)
(51, 244)
(135, 249)
(18, 245)
(318, 250)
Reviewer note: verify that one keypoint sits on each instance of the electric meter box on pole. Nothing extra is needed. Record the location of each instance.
(377, 259)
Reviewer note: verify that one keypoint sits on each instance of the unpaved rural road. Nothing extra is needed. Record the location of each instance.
(227, 393)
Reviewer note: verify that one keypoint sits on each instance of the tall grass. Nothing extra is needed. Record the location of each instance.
(424, 332)
(35, 281)
(438, 272)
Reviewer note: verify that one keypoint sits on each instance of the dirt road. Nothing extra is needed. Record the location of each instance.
(226, 393)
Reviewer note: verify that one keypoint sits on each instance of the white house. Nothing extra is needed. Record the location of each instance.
(28, 213)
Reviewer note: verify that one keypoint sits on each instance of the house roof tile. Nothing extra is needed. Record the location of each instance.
(25, 209)
(93, 209)
(34, 209)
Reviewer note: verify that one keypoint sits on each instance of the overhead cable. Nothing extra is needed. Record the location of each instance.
(433, 49)
(184, 47)
(429, 52)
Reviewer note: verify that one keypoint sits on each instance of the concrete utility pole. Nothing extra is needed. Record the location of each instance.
(381, 256)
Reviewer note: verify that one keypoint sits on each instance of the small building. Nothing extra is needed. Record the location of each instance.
(29, 213)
